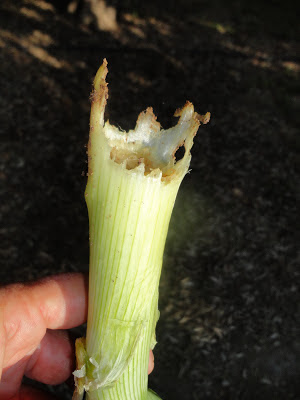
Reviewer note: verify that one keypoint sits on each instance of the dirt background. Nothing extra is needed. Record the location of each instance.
(229, 289)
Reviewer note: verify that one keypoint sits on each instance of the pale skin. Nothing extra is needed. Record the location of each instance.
(34, 341)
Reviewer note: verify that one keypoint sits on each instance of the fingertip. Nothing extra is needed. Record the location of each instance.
(54, 361)
(63, 300)
(151, 362)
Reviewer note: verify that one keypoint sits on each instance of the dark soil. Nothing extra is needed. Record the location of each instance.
(229, 289)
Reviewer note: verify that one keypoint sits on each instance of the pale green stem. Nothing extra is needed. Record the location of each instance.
(132, 186)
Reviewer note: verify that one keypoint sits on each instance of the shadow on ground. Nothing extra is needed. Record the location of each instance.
(229, 285)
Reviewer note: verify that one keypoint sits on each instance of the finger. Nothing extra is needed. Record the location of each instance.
(62, 300)
(54, 360)
(11, 380)
(51, 363)
(151, 362)
(55, 302)
(2, 340)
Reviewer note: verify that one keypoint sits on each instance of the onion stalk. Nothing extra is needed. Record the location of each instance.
(133, 180)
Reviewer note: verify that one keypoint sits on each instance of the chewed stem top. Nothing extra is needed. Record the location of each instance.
(149, 149)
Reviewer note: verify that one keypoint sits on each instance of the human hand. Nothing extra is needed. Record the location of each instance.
(33, 337)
